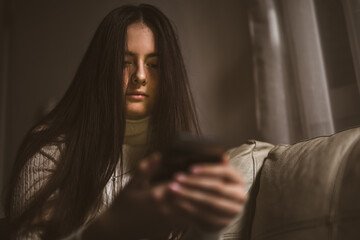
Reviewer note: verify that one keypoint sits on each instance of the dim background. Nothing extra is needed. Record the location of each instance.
(273, 70)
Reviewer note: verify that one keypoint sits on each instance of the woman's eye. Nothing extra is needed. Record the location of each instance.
(153, 65)
(127, 63)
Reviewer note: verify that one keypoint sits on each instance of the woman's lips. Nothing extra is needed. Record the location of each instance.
(136, 95)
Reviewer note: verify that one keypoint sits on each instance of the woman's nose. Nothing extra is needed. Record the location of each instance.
(140, 75)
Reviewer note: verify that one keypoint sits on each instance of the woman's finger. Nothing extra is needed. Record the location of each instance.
(207, 202)
(204, 219)
(225, 159)
(225, 172)
(147, 168)
(232, 191)
(151, 164)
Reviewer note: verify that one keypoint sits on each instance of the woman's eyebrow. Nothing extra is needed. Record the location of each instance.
(155, 54)
(132, 54)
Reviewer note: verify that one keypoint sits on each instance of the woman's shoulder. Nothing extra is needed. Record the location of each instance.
(49, 152)
(33, 176)
(43, 162)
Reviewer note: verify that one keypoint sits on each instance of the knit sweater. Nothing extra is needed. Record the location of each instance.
(37, 170)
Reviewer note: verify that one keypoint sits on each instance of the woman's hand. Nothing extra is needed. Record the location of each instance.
(140, 210)
(211, 195)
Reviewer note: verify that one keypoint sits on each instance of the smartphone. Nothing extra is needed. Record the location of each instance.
(185, 151)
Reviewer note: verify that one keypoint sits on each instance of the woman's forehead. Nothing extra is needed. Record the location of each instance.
(140, 39)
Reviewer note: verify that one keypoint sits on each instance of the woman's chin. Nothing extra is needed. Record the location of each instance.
(135, 115)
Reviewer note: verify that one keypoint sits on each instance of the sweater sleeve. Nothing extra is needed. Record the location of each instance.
(33, 176)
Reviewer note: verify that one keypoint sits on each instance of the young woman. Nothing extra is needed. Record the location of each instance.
(78, 173)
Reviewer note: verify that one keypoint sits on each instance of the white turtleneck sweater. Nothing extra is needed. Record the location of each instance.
(134, 149)
(35, 172)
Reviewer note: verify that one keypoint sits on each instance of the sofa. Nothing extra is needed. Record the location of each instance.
(309, 190)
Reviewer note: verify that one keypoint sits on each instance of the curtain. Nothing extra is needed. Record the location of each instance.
(352, 16)
(304, 68)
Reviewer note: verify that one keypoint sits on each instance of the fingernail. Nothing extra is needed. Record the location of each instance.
(143, 165)
(157, 155)
(175, 186)
(225, 158)
(195, 169)
(180, 177)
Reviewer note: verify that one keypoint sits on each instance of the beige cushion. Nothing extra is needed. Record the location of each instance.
(310, 190)
(247, 159)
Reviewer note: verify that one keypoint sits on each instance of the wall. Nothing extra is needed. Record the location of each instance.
(4, 41)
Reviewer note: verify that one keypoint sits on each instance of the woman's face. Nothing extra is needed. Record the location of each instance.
(141, 72)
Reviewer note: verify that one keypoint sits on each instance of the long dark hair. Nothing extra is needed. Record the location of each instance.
(89, 121)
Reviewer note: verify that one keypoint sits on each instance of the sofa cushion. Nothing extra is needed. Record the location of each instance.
(309, 190)
(247, 159)
(348, 198)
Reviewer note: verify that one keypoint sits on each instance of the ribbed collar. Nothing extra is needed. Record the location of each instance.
(136, 131)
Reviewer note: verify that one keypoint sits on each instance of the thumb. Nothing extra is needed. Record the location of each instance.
(225, 159)
(148, 167)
